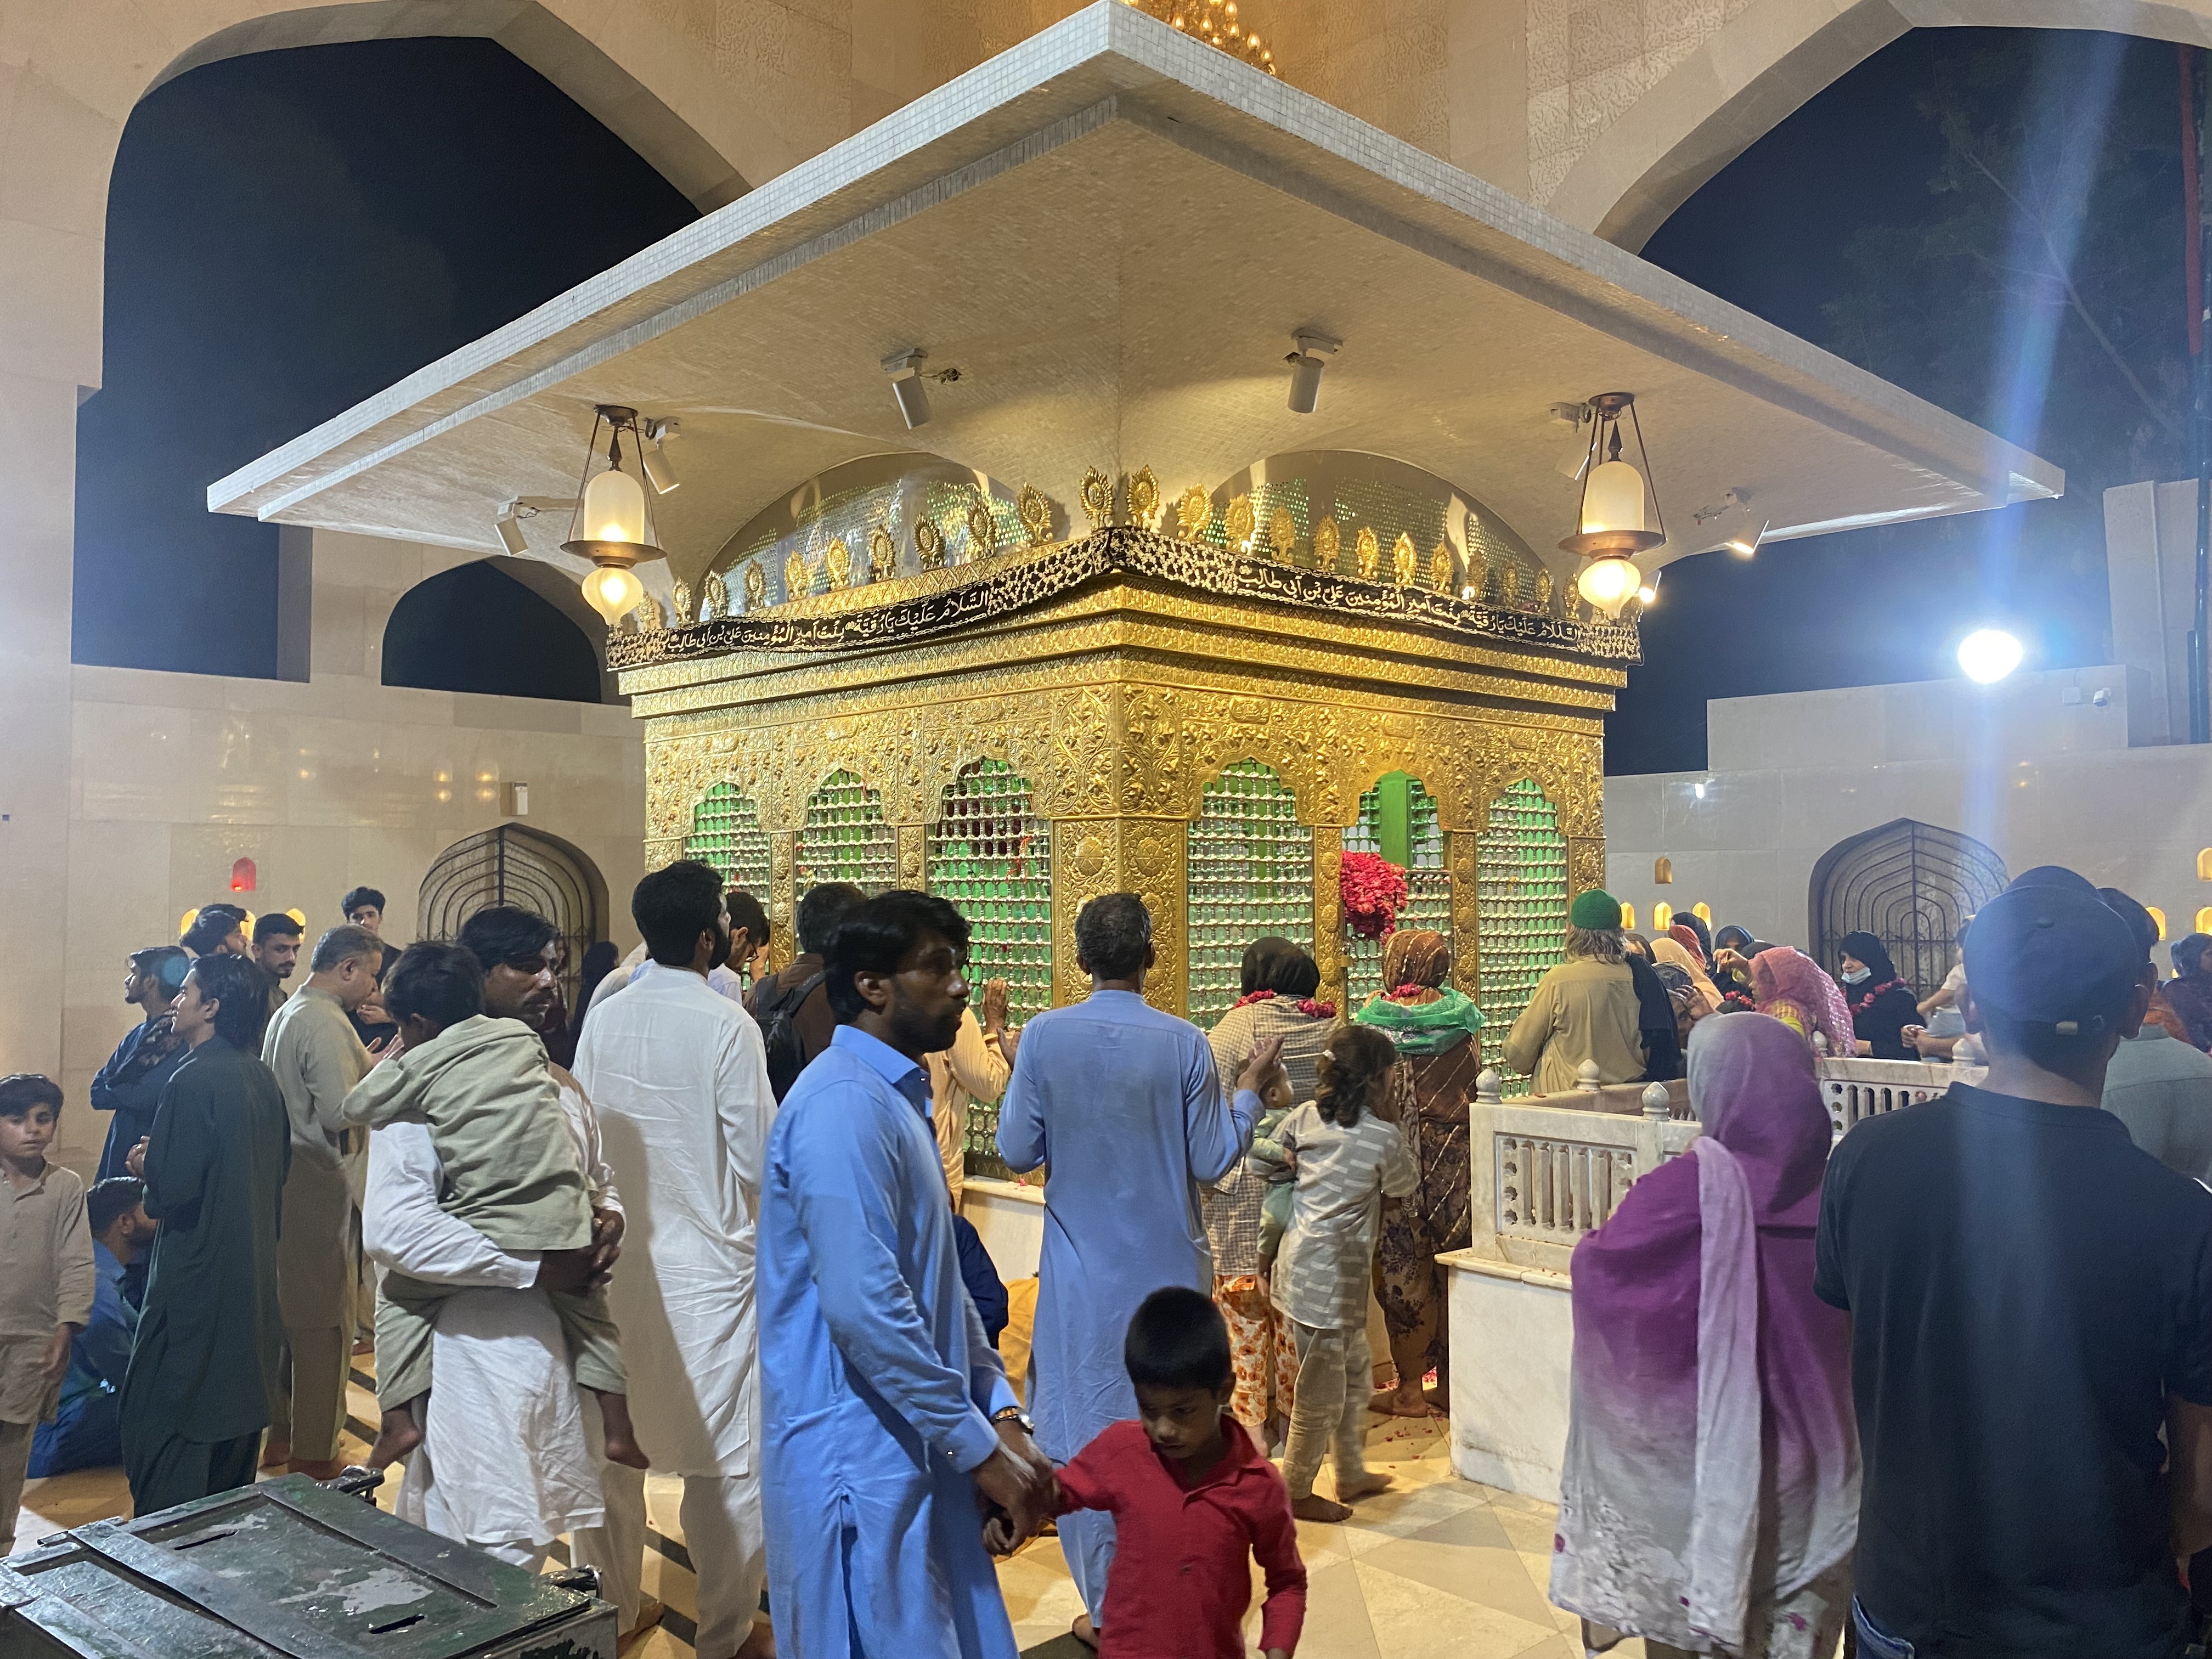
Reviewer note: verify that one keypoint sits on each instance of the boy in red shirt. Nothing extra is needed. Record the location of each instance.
(1194, 1501)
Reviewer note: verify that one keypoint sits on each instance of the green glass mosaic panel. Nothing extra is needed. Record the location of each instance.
(1428, 888)
(845, 838)
(1521, 902)
(991, 856)
(1250, 870)
(726, 834)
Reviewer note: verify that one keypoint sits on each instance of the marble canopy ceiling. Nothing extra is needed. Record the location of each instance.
(1111, 232)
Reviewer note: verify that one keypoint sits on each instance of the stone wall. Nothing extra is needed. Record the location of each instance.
(341, 780)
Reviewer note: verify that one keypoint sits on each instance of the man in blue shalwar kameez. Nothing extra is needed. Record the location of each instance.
(1123, 1101)
(884, 1409)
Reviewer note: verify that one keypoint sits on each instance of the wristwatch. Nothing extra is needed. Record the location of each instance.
(1014, 1414)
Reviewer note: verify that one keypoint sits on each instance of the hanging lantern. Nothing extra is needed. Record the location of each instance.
(613, 523)
(1612, 524)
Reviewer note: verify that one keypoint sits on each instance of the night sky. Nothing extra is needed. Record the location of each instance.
(290, 232)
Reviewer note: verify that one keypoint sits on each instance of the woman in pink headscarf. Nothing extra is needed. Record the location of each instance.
(1710, 1497)
(1792, 988)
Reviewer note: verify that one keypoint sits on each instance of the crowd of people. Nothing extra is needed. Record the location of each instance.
(1951, 1386)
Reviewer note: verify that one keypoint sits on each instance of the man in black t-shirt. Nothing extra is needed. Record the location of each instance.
(2031, 1302)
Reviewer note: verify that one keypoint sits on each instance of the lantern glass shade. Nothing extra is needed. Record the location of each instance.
(614, 509)
(1608, 583)
(613, 590)
(1613, 499)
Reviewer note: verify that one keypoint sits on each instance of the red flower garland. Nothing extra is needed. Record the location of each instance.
(1311, 1007)
(1373, 890)
(1866, 1001)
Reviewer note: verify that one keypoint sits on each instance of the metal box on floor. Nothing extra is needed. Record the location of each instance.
(286, 1568)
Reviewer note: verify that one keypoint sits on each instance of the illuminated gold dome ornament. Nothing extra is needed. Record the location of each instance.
(1612, 525)
(1218, 22)
(613, 522)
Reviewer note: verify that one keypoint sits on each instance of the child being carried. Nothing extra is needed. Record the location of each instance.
(510, 1169)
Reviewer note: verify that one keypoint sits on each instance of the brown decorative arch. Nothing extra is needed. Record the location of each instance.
(1908, 883)
(517, 865)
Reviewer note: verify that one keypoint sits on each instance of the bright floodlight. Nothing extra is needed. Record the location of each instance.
(1988, 655)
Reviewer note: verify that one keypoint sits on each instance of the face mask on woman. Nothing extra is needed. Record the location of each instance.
(1856, 975)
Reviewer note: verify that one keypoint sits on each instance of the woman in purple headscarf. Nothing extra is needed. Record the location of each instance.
(1708, 1502)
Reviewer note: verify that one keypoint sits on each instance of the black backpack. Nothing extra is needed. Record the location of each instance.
(779, 1024)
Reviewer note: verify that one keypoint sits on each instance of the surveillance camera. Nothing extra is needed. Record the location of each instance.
(2103, 697)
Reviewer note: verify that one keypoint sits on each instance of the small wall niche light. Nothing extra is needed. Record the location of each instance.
(1628, 916)
(612, 526)
(244, 877)
(2158, 916)
(2205, 870)
(1663, 872)
(1613, 524)
(1313, 347)
(2204, 920)
(659, 471)
(1662, 917)
(1702, 912)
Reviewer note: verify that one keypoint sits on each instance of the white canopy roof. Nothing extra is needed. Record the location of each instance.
(1112, 230)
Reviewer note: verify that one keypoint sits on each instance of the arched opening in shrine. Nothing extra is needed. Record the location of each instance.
(1908, 883)
(514, 864)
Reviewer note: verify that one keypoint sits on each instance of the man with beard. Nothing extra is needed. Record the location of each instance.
(681, 1083)
(276, 953)
(131, 1084)
(196, 1397)
(520, 953)
(887, 1411)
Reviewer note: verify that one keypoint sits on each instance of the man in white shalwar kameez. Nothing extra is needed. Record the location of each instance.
(680, 1081)
(507, 1462)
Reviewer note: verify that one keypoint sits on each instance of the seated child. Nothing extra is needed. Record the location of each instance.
(510, 1172)
(1350, 1154)
(1194, 1501)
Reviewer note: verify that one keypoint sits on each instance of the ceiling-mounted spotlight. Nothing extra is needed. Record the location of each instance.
(1732, 526)
(1648, 595)
(903, 367)
(1574, 458)
(659, 471)
(1306, 364)
(613, 523)
(509, 524)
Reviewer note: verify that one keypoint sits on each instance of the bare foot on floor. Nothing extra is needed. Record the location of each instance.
(759, 1644)
(1366, 1486)
(1315, 1507)
(1391, 1403)
(275, 1454)
(1082, 1631)
(395, 1438)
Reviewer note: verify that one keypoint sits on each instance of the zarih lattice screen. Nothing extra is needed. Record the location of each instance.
(1251, 874)
(725, 833)
(1428, 883)
(991, 856)
(846, 839)
(1521, 908)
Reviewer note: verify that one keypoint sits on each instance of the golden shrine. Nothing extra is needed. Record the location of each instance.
(1209, 726)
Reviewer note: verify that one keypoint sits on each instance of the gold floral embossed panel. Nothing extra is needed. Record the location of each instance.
(726, 834)
(1428, 879)
(846, 838)
(1251, 869)
(1521, 904)
(991, 855)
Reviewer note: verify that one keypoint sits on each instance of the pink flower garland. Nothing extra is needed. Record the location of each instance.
(1311, 1007)
(1373, 890)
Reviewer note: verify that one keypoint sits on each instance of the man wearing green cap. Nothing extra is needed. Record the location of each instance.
(1584, 1009)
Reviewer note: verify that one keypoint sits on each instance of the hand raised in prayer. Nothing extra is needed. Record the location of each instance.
(1261, 1067)
(135, 1159)
(569, 1270)
(993, 1012)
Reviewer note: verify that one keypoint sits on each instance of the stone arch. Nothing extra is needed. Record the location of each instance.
(1759, 67)
(635, 109)
(496, 626)
(1908, 883)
